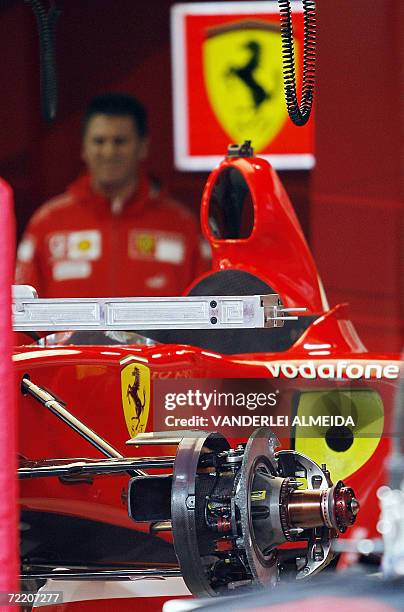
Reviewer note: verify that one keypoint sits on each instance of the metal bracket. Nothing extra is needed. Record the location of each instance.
(31, 313)
(240, 150)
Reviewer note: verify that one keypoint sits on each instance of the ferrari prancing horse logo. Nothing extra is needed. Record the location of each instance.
(135, 386)
(242, 64)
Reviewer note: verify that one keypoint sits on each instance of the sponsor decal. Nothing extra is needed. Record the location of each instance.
(353, 370)
(67, 270)
(258, 495)
(135, 387)
(84, 245)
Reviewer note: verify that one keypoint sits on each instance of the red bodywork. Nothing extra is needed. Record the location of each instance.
(88, 378)
(276, 251)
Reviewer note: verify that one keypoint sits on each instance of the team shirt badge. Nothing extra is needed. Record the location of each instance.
(158, 246)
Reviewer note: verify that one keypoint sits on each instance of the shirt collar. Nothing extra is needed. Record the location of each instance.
(84, 193)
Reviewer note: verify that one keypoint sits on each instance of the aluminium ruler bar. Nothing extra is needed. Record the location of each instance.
(141, 313)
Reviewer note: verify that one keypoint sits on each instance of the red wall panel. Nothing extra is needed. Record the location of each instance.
(355, 220)
(357, 199)
(100, 45)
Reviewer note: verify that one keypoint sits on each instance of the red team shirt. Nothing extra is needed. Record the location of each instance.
(76, 245)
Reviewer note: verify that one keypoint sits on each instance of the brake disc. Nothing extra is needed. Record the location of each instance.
(231, 509)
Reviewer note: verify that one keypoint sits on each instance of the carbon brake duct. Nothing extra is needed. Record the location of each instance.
(230, 510)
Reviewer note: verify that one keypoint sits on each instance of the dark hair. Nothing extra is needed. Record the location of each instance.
(117, 105)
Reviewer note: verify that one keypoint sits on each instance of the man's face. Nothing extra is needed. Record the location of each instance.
(112, 149)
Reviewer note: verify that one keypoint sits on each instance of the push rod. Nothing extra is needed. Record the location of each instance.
(92, 468)
(98, 574)
(50, 402)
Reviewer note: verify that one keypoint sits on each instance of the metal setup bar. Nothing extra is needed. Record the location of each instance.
(88, 467)
(49, 401)
(31, 313)
(93, 573)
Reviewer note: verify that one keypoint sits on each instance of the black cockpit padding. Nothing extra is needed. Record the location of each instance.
(231, 208)
(232, 341)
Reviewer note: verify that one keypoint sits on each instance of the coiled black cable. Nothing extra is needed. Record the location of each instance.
(46, 22)
(298, 114)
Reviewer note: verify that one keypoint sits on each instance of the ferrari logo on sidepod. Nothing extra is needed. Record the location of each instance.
(135, 386)
(243, 77)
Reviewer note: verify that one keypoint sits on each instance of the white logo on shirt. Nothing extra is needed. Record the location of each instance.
(84, 245)
(65, 270)
(57, 246)
(26, 250)
(156, 282)
(171, 250)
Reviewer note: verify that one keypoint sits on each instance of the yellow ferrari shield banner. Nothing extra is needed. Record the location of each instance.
(344, 450)
(135, 385)
(242, 64)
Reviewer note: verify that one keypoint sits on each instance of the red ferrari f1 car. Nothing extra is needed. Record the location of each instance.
(243, 427)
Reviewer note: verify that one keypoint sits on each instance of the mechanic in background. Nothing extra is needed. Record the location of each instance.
(112, 233)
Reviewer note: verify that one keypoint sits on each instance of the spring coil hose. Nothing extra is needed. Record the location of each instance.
(298, 114)
(46, 29)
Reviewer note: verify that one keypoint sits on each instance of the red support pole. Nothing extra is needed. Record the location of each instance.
(8, 413)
